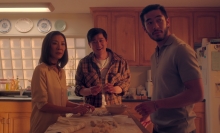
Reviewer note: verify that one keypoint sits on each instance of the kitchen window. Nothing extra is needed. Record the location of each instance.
(19, 57)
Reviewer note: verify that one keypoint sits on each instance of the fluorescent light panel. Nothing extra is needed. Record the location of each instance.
(24, 10)
(26, 7)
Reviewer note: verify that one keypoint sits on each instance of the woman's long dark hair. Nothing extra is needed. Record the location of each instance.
(46, 47)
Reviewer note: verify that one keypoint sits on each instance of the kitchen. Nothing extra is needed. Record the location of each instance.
(80, 21)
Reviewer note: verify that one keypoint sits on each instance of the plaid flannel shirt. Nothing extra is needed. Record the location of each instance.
(88, 75)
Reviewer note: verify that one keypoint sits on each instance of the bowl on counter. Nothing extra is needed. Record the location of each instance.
(116, 109)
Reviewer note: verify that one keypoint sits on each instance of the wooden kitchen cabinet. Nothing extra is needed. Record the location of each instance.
(3, 121)
(103, 20)
(126, 35)
(206, 25)
(19, 122)
(122, 30)
(181, 25)
(199, 109)
(147, 46)
(15, 122)
(15, 117)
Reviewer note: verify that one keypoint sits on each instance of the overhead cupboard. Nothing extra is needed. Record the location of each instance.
(127, 37)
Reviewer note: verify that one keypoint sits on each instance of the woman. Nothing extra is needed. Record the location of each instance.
(49, 91)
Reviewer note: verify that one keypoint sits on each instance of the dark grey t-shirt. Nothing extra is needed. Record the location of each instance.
(172, 65)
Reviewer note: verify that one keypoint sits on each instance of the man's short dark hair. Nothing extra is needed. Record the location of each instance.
(94, 31)
(150, 8)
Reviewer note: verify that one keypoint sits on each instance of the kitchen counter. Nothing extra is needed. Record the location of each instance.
(20, 109)
(71, 98)
(7, 98)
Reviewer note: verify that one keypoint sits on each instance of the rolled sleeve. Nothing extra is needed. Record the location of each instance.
(39, 88)
(79, 78)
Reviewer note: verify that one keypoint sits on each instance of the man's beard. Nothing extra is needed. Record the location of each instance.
(161, 38)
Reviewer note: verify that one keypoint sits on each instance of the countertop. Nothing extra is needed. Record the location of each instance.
(71, 98)
(3, 98)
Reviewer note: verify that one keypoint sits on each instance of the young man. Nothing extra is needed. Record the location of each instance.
(176, 77)
(103, 76)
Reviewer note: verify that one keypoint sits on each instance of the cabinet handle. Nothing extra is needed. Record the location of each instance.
(3, 121)
(8, 120)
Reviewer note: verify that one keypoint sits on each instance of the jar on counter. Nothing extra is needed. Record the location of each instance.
(2, 86)
(5, 85)
(143, 93)
(139, 89)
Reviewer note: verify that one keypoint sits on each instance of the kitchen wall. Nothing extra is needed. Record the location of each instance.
(138, 75)
(77, 26)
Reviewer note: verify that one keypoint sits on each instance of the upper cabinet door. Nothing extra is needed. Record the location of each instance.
(125, 36)
(147, 46)
(181, 25)
(103, 20)
(206, 25)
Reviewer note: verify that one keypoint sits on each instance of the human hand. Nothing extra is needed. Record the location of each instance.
(145, 108)
(109, 88)
(89, 107)
(95, 89)
(145, 121)
(80, 109)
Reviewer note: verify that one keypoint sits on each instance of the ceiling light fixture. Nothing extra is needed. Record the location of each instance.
(26, 7)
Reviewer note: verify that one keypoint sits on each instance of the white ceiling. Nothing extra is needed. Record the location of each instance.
(82, 6)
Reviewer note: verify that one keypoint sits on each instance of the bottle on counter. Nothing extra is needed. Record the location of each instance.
(15, 84)
(8, 85)
(17, 88)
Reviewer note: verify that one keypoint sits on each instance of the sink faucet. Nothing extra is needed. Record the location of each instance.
(21, 90)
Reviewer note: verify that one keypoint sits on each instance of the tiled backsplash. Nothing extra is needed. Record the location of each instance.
(19, 57)
(139, 75)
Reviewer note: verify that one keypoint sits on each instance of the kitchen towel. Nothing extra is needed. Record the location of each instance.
(66, 125)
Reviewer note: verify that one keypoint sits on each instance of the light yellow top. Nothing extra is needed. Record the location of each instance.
(46, 87)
